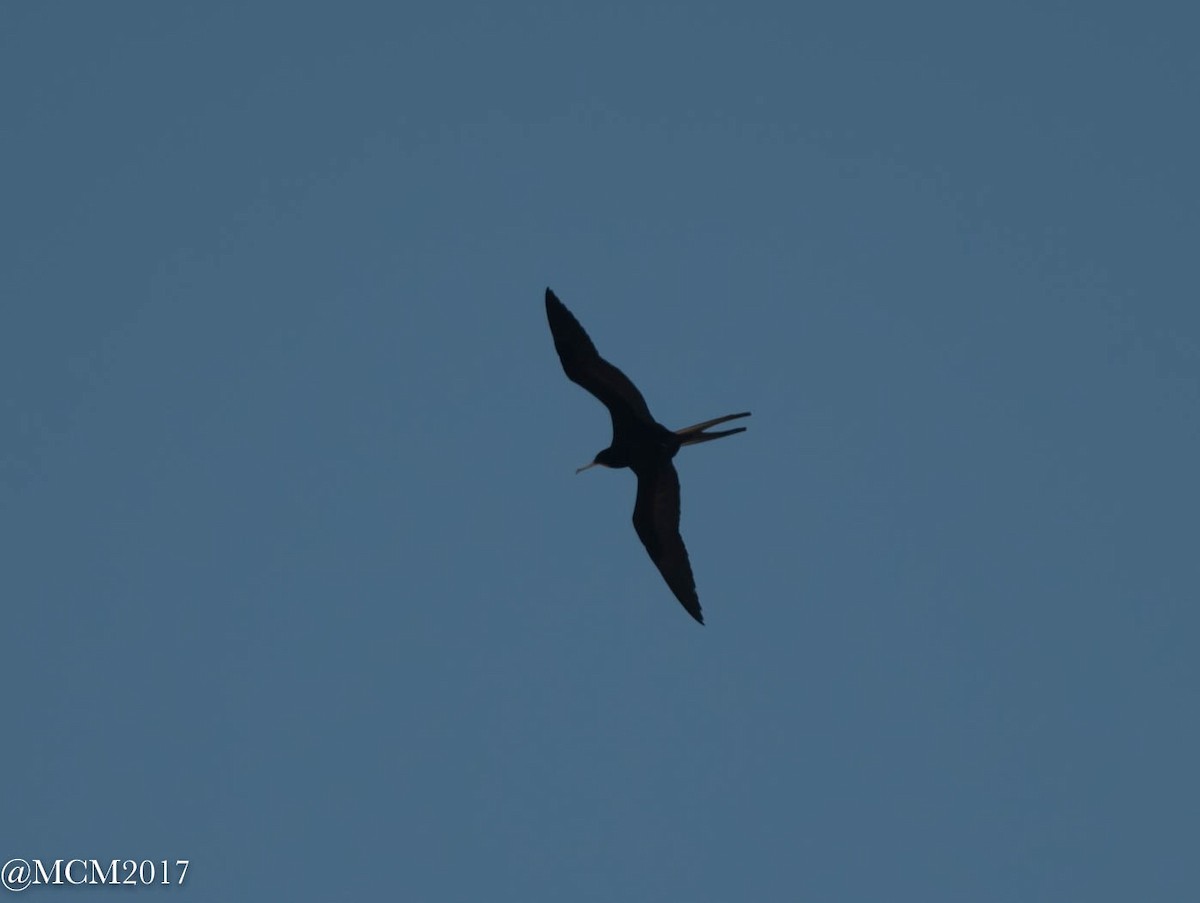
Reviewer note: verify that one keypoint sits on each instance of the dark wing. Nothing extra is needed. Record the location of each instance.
(656, 519)
(585, 367)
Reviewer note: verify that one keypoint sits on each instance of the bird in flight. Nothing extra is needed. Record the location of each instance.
(640, 443)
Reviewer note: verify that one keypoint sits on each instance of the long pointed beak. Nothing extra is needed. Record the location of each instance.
(585, 467)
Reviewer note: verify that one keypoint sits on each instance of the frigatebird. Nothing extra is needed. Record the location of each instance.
(640, 443)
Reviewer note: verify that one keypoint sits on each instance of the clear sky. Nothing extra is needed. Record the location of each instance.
(299, 583)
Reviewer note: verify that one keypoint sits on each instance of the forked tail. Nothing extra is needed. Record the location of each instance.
(690, 435)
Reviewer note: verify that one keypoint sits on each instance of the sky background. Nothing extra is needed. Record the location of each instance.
(299, 583)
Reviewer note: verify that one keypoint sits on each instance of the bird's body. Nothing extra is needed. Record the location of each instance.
(640, 443)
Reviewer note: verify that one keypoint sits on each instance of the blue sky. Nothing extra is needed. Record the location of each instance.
(300, 584)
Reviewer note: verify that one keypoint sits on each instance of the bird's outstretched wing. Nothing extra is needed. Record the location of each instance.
(656, 519)
(585, 367)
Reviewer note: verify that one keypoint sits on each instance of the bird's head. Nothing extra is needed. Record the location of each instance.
(603, 459)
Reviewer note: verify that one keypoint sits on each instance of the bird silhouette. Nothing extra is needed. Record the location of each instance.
(640, 443)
